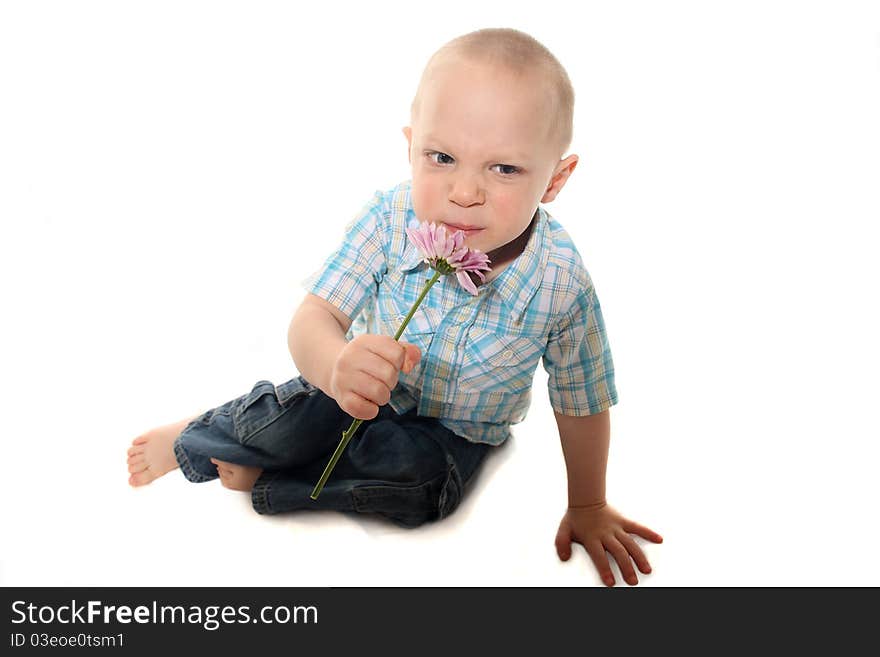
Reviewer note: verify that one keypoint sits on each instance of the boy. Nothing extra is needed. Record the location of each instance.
(490, 122)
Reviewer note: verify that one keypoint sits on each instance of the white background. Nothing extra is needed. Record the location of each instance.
(171, 171)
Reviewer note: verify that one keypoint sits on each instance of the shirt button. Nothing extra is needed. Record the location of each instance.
(507, 354)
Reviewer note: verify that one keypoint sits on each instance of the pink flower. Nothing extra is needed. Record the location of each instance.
(449, 255)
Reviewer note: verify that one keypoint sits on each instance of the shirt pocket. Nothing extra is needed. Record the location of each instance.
(500, 363)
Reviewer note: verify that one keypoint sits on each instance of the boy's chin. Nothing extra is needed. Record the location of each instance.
(476, 244)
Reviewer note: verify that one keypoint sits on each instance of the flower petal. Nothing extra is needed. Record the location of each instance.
(474, 261)
(442, 242)
(457, 256)
(465, 281)
(417, 235)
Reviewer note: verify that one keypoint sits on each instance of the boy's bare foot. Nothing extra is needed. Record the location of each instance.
(152, 454)
(237, 477)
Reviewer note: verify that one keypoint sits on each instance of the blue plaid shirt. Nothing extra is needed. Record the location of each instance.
(479, 353)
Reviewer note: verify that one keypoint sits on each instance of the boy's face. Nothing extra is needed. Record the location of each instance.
(482, 152)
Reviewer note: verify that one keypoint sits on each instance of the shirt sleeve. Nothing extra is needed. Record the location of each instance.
(578, 360)
(350, 276)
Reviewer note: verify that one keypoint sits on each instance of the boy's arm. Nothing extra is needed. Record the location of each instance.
(315, 338)
(585, 443)
(589, 520)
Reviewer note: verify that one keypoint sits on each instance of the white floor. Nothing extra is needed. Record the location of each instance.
(159, 207)
(743, 499)
(78, 523)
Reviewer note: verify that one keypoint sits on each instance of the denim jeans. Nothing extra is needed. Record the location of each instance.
(407, 468)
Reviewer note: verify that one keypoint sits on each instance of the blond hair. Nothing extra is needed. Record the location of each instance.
(519, 53)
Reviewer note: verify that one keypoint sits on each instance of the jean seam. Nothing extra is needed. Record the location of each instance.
(453, 478)
(186, 467)
(260, 492)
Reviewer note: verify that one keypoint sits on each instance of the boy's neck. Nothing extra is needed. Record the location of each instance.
(501, 257)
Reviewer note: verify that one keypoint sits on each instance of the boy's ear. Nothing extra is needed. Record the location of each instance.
(407, 132)
(560, 177)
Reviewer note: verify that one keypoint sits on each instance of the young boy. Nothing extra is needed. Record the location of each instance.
(490, 122)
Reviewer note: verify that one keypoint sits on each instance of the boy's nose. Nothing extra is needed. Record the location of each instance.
(466, 191)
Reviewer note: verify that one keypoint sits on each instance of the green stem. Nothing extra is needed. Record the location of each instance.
(347, 435)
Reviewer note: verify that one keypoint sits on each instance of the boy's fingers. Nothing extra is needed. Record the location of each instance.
(378, 368)
(387, 348)
(597, 553)
(364, 387)
(641, 530)
(635, 551)
(402, 355)
(624, 563)
(358, 406)
(563, 544)
(411, 356)
(563, 540)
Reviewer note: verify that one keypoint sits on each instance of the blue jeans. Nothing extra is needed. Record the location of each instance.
(407, 468)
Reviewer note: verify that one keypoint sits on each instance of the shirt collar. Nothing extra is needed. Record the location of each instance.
(516, 285)
(412, 257)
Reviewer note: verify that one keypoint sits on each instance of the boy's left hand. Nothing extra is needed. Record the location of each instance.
(602, 528)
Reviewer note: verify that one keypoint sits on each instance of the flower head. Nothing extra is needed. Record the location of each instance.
(449, 255)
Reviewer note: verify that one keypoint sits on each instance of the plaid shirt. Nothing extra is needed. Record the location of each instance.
(479, 353)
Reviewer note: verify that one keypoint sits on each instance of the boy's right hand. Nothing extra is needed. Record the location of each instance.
(366, 372)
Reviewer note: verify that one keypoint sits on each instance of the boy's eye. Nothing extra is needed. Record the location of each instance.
(506, 169)
(442, 158)
(439, 158)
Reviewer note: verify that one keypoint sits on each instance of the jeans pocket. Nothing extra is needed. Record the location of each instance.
(408, 506)
(264, 404)
(411, 506)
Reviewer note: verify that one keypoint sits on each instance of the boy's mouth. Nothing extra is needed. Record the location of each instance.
(468, 230)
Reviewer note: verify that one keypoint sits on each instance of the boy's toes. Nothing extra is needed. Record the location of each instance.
(141, 478)
(137, 463)
(236, 477)
(223, 468)
(224, 472)
(137, 467)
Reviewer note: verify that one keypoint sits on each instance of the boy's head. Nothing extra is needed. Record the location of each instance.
(490, 121)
